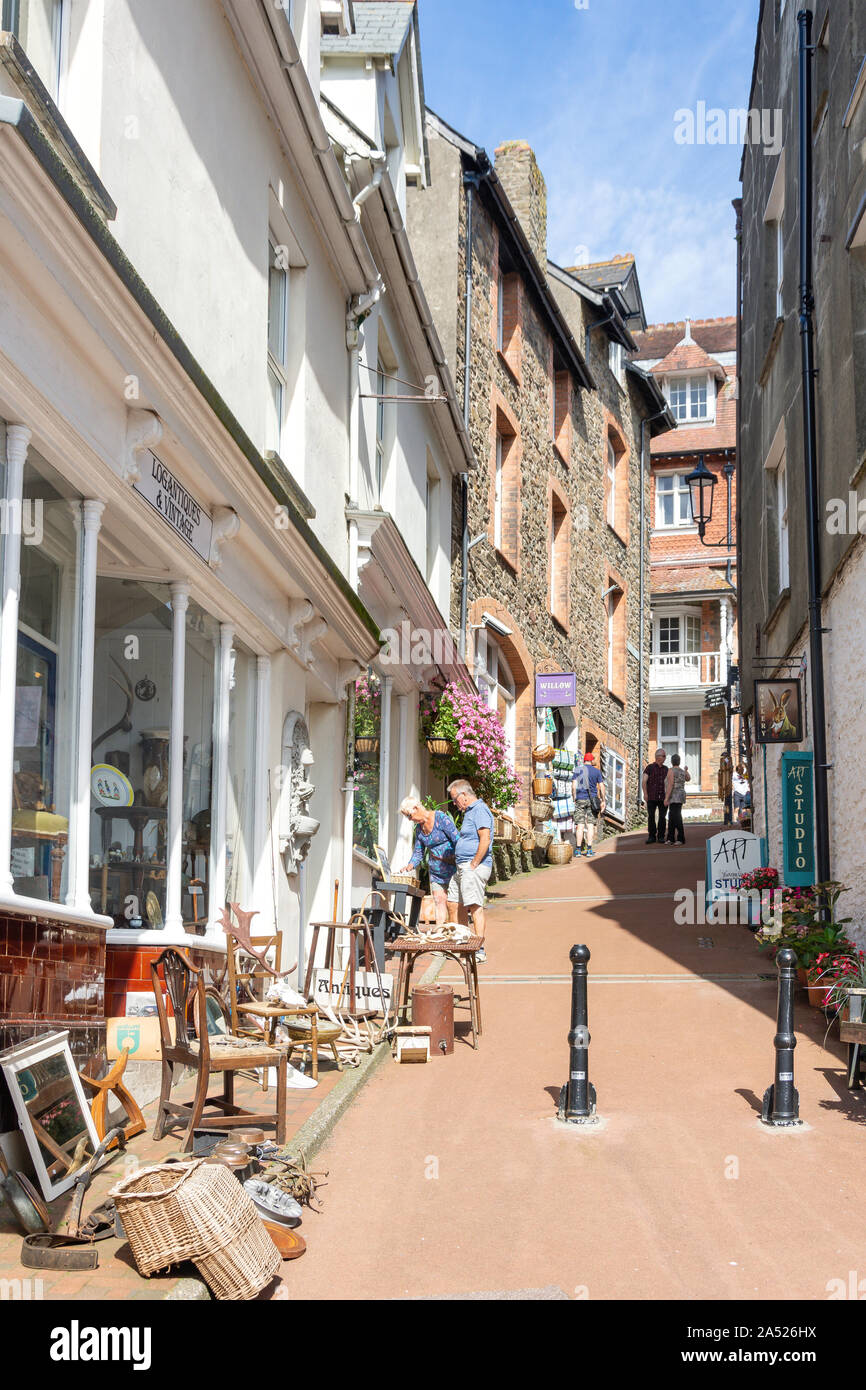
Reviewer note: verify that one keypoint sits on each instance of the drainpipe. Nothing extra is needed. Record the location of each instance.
(810, 452)
(470, 183)
(642, 594)
(378, 159)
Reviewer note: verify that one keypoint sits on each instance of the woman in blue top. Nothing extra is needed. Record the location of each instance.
(437, 834)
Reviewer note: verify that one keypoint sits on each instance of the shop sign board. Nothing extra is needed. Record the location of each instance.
(177, 507)
(556, 688)
(717, 695)
(730, 854)
(798, 818)
(778, 711)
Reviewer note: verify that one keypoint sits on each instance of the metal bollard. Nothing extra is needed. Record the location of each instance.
(577, 1097)
(781, 1105)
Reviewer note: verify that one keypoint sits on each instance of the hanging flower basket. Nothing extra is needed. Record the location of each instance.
(366, 745)
(440, 747)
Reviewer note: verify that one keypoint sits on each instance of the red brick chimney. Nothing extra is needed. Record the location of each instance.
(524, 184)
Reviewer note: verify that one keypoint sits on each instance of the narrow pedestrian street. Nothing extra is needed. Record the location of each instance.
(454, 1178)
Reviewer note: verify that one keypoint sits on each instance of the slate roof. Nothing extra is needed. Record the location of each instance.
(603, 274)
(381, 27)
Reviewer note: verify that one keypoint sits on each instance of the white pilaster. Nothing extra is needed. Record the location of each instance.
(174, 829)
(263, 850)
(402, 773)
(723, 638)
(17, 440)
(385, 763)
(78, 894)
(219, 797)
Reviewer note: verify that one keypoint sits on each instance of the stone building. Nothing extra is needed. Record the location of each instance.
(555, 573)
(693, 585)
(773, 515)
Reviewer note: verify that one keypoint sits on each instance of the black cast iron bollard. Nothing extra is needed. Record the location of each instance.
(781, 1100)
(577, 1097)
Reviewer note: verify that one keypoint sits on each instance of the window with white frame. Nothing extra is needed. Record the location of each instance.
(616, 361)
(691, 398)
(278, 306)
(497, 495)
(38, 25)
(681, 733)
(673, 504)
(614, 776)
(611, 483)
(782, 521)
(676, 633)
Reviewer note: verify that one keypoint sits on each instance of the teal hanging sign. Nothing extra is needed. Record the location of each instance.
(798, 818)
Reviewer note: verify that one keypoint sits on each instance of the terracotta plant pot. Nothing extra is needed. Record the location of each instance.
(801, 975)
(542, 786)
(816, 995)
(440, 747)
(366, 745)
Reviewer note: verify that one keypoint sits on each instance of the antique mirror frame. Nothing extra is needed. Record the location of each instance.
(21, 1058)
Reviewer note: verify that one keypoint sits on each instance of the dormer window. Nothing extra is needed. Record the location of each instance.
(692, 398)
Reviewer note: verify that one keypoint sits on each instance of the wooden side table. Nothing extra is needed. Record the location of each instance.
(464, 953)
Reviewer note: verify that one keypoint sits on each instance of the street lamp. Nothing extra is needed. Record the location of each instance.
(701, 484)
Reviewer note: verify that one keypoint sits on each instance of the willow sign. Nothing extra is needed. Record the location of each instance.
(798, 819)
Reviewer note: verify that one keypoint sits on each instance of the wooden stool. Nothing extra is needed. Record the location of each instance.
(463, 953)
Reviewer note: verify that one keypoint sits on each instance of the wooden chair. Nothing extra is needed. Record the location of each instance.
(251, 1016)
(183, 980)
(112, 1085)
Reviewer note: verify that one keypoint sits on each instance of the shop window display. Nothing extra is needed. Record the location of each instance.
(46, 680)
(130, 754)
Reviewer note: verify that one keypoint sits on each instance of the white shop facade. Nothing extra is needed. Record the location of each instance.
(176, 644)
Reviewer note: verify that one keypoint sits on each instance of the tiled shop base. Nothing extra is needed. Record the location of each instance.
(116, 1276)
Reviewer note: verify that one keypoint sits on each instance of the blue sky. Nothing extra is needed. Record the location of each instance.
(595, 91)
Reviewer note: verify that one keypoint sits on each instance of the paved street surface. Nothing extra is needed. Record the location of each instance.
(454, 1179)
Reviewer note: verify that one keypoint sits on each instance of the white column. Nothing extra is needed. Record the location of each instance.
(402, 767)
(17, 439)
(723, 640)
(219, 796)
(385, 764)
(78, 894)
(263, 848)
(174, 829)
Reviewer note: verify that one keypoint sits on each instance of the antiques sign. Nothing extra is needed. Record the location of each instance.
(798, 818)
(778, 712)
(168, 496)
(556, 688)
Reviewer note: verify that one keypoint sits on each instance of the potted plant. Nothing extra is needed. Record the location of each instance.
(438, 726)
(833, 976)
(478, 748)
(367, 714)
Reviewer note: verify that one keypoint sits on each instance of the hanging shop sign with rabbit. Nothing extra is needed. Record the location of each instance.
(778, 712)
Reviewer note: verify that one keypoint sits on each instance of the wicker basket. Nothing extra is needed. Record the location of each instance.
(528, 842)
(410, 879)
(540, 809)
(366, 745)
(542, 786)
(560, 853)
(440, 747)
(543, 753)
(197, 1211)
(543, 840)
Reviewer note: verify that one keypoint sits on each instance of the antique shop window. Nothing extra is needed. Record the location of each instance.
(132, 673)
(46, 682)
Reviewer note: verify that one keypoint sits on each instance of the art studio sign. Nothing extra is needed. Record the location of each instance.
(177, 507)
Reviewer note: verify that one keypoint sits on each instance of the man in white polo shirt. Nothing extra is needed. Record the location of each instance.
(474, 856)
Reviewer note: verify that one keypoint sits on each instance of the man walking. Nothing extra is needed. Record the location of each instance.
(589, 795)
(654, 783)
(474, 856)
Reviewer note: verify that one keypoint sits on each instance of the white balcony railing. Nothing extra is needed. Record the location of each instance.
(687, 669)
